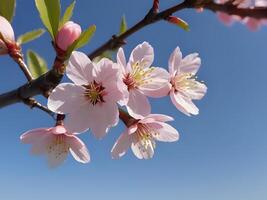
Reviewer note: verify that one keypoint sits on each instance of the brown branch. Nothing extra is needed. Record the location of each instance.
(257, 13)
(152, 17)
(32, 103)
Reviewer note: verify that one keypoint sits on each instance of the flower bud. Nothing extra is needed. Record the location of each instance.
(7, 33)
(69, 32)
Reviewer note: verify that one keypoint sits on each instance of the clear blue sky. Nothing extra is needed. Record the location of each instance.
(222, 152)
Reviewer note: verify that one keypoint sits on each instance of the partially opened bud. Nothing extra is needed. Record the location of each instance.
(7, 34)
(69, 32)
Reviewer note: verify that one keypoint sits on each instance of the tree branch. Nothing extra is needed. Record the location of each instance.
(257, 13)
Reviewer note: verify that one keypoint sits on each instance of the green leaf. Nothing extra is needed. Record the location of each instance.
(123, 26)
(29, 36)
(49, 11)
(36, 64)
(83, 39)
(7, 9)
(68, 14)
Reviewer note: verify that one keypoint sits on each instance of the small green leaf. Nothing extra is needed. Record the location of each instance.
(49, 11)
(36, 64)
(68, 14)
(83, 39)
(123, 26)
(29, 36)
(7, 9)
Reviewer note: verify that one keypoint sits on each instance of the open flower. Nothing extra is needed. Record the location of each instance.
(141, 79)
(142, 136)
(91, 102)
(8, 35)
(56, 143)
(184, 86)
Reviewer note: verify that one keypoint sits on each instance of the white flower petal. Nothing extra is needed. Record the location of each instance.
(143, 54)
(175, 60)
(156, 83)
(190, 64)
(138, 105)
(78, 149)
(66, 98)
(184, 104)
(166, 133)
(121, 146)
(79, 68)
(141, 152)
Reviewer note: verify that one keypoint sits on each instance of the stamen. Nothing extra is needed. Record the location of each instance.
(95, 92)
(139, 76)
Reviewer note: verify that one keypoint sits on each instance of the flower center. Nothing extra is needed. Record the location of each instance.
(58, 147)
(184, 81)
(138, 76)
(95, 92)
(145, 137)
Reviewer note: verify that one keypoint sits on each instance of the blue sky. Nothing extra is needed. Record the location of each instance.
(222, 151)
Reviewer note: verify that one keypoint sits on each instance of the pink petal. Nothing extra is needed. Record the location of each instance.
(78, 149)
(58, 130)
(198, 92)
(138, 105)
(157, 84)
(190, 64)
(140, 152)
(225, 18)
(66, 98)
(183, 104)
(6, 29)
(40, 146)
(143, 54)
(103, 117)
(33, 135)
(166, 133)
(80, 120)
(252, 24)
(121, 145)
(158, 118)
(79, 68)
(175, 60)
(121, 60)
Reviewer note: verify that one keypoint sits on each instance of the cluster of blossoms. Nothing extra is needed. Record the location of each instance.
(92, 102)
(252, 23)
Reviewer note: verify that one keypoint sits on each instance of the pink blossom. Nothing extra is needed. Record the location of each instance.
(69, 32)
(141, 79)
(142, 136)
(252, 23)
(8, 34)
(91, 101)
(56, 143)
(184, 86)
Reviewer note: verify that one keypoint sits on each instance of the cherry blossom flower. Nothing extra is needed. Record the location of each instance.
(56, 143)
(184, 86)
(8, 34)
(141, 79)
(252, 23)
(69, 32)
(91, 101)
(142, 136)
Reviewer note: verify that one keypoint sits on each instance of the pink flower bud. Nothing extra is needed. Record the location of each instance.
(69, 32)
(7, 33)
